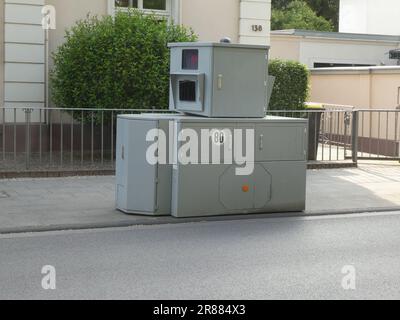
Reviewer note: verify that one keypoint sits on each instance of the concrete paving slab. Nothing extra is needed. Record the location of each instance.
(371, 185)
(88, 202)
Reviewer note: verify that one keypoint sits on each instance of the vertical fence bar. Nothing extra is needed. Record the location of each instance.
(112, 139)
(387, 135)
(330, 135)
(82, 141)
(371, 117)
(362, 132)
(396, 124)
(92, 140)
(316, 134)
(27, 138)
(72, 139)
(337, 138)
(61, 140)
(342, 129)
(4, 135)
(40, 137)
(378, 151)
(102, 138)
(323, 120)
(347, 117)
(15, 137)
(51, 138)
(354, 136)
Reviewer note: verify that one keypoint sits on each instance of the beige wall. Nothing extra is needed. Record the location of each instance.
(285, 48)
(1, 54)
(222, 21)
(385, 90)
(350, 89)
(223, 17)
(70, 11)
(371, 89)
(210, 19)
(375, 90)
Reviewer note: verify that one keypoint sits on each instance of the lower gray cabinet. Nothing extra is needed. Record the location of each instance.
(217, 190)
(276, 183)
(141, 187)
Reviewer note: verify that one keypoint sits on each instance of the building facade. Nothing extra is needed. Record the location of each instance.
(333, 49)
(25, 58)
(370, 16)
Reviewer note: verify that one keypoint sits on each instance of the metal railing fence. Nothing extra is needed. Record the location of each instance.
(330, 132)
(378, 134)
(59, 139)
(85, 139)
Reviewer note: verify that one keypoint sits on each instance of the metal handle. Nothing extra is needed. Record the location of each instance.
(123, 153)
(261, 142)
(220, 78)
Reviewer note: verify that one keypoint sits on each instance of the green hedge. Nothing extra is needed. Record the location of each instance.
(291, 85)
(120, 62)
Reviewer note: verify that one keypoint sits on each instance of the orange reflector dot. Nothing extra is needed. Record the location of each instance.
(245, 188)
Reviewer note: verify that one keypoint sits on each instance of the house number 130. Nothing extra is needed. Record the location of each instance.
(257, 27)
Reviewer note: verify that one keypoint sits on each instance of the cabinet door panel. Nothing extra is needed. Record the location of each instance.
(141, 174)
(236, 192)
(280, 143)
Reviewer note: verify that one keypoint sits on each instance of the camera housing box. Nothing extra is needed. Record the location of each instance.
(219, 79)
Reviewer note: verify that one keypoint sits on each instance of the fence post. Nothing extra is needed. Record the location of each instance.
(28, 113)
(354, 137)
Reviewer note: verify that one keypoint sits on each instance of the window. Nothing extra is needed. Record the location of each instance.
(190, 59)
(157, 6)
(338, 65)
(394, 54)
(169, 9)
(126, 3)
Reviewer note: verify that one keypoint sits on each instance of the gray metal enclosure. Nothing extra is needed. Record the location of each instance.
(276, 184)
(222, 155)
(141, 187)
(219, 79)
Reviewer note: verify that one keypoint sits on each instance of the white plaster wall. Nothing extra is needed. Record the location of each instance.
(349, 52)
(370, 16)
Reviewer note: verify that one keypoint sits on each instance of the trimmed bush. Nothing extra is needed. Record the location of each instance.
(291, 85)
(120, 62)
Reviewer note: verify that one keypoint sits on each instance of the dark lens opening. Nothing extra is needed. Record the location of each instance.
(190, 59)
(187, 91)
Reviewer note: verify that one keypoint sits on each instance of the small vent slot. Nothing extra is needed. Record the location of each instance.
(187, 91)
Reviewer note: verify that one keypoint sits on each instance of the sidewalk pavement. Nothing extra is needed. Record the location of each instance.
(30, 205)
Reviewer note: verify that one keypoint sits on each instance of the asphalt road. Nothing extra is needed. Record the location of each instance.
(288, 258)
